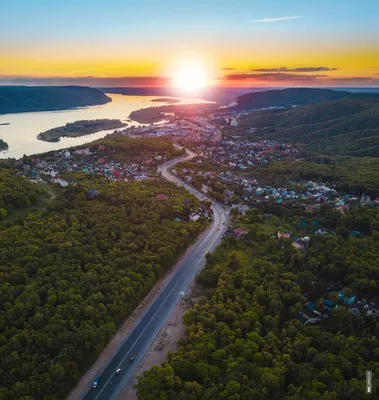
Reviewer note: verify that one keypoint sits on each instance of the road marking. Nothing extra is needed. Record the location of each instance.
(211, 234)
(163, 302)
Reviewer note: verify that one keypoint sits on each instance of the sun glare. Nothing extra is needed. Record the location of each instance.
(191, 77)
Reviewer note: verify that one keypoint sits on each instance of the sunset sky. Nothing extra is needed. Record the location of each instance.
(146, 42)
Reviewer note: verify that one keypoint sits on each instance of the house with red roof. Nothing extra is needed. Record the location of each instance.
(161, 196)
(239, 232)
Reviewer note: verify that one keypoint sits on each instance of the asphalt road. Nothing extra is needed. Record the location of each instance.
(147, 327)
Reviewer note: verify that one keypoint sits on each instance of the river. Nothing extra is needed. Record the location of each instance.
(21, 134)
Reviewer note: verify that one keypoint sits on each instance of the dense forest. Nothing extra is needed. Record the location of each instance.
(71, 273)
(16, 192)
(244, 339)
(80, 128)
(132, 147)
(344, 127)
(349, 174)
(295, 97)
(45, 98)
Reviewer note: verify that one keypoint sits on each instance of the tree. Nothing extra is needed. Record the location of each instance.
(344, 232)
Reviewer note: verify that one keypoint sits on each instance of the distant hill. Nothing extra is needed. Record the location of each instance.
(295, 97)
(47, 98)
(347, 127)
(217, 94)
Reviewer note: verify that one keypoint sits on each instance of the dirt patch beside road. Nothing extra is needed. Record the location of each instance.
(172, 331)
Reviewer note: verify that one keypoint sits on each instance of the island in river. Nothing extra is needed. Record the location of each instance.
(166, 100)
(3, 145)
(80, 128)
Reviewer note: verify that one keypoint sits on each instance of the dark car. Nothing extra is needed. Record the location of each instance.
(96, 382)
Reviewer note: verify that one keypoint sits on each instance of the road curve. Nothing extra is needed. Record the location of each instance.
(147, 327)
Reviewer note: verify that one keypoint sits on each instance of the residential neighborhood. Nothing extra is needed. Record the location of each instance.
(97, 160)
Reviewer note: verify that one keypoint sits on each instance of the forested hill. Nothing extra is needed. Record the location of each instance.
(246, 338)
(345, 127)
(71, 272)
(45, 98)
(295, 97)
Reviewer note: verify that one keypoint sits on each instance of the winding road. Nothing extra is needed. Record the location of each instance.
(147, 327)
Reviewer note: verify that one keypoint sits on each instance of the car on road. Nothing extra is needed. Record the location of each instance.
(118, 370)
(132, 359)
(96, 382)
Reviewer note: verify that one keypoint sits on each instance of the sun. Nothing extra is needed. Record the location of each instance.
(191, 77)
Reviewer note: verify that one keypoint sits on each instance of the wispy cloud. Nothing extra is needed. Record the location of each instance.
(274, 76)
(301, 69)
(228, 68)
(355, 79)
(276, 19)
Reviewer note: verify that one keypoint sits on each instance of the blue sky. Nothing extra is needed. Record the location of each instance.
(71, 36)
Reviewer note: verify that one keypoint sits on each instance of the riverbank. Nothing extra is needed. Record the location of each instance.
(80, 128)
(21, 133)
(152, 115)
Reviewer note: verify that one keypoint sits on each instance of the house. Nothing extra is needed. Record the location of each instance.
(343, 208)
(63, 183)
(347, 300)
(301, 243)
(365, 199)
(328, 303)
(239, 232)
(233, 122)
(194, 217)
(161, 196)
(205, 188)
(92, 193)
(243, 209)
(354, 311)
(373, 311)
(284, 234)
(116, 173)
(310, 208)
